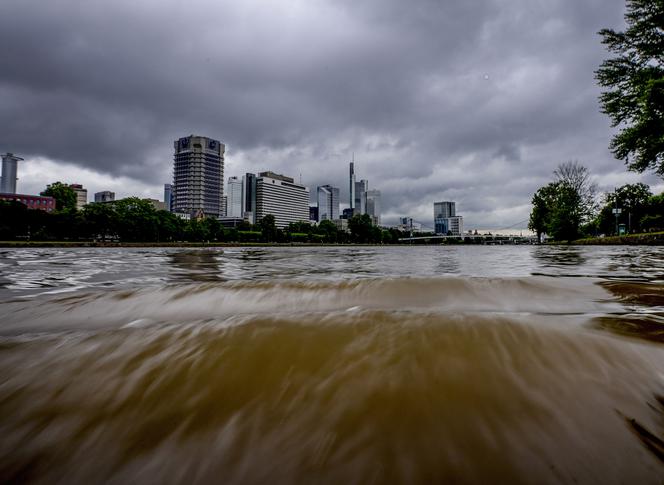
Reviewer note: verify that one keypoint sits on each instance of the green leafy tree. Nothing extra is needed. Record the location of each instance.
(13, 220)
(543, 205)
(654, 218)
(169, 226)
(361, 228)
(64, 195)
(566, 214)
(268, 228)
(136, 219)
(99, 220)
(328, 230)
(213, 228)
(632, 200)
(634, 78)
(562, 206)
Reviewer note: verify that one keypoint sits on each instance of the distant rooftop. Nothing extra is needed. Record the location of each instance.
(276, 176)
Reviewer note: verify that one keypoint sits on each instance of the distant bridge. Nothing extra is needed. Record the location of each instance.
(497, 238)
(492, 238)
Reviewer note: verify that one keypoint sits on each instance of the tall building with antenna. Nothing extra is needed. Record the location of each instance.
(9, 170)
(352, 183)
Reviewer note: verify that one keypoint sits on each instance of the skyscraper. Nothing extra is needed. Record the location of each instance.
(445, 219)
(198, 174)
(361, 188)
(9, 170)
(282, 197)
(168, 196)
(234, 201)
(328, 203)
(373, 205)
(443, 209)
(249, 197)
(352, 184)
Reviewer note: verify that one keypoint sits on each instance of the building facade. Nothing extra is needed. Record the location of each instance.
(104, 196)
(9, 173)
(313, 213)
(328, 203)
(249, 197)
(352, 185)
(449, 226)
(373, 205)
(441, 212)
(81, 195)
(281, 197)
(234, 197)
(198, 174)
(361, 188)
(168, 196)
(40, 202)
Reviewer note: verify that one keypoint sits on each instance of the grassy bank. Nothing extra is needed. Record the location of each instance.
(645, 239)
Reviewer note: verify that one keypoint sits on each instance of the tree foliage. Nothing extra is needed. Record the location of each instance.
(634, 78)
(64, 195)
(562, 206)
(268, 228)
(634, 202)
(543, 204)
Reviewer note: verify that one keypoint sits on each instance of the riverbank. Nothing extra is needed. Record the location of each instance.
(179, 244)
(645, 239)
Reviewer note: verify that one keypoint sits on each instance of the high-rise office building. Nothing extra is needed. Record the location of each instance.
(282, 197)
(9, 171)
(249, 197)
(445, 220)
(373, 205)
(361, 188)
(328, 203)
(224, 206)
(104, 196)
(234, 200)
(313, 213)
(168, 196)
(352, 185)
(443, 209)
(198, 174)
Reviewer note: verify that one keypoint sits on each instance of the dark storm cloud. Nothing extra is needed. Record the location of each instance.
(476, 101)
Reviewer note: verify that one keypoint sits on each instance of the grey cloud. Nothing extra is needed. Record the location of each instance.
(473, 100)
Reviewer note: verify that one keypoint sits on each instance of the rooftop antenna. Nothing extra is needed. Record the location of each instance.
(300, 178)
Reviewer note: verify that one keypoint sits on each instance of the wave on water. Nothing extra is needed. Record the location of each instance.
(462, 380)
(186, 302)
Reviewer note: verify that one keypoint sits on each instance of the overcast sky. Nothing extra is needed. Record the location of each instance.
(475, 101)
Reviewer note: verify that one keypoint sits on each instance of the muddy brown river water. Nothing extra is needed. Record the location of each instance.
(478, 364)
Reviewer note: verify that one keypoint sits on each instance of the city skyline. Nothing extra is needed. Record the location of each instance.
(474, 103)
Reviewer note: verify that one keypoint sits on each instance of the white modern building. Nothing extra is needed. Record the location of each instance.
(328, 203)
(234, 197)
(282, 197)
(198, 174)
